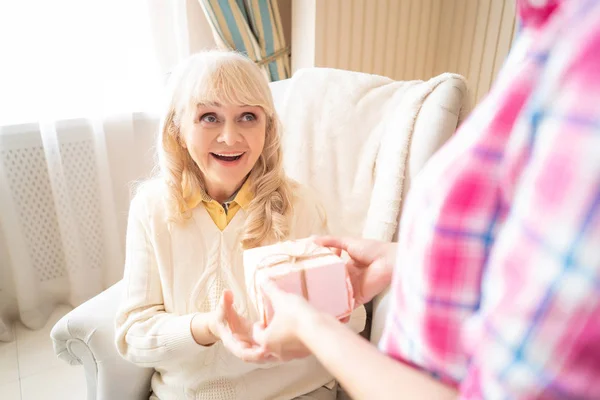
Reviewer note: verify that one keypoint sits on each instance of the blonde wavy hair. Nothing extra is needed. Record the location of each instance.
(224, 77)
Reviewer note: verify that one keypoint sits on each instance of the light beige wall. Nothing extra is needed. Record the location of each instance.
(285, 10)
(405, 39)
(474, 39)
(304, 42)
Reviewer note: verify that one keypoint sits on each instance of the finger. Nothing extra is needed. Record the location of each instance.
(231, 315)
(272, 358)
(369, 284)
(258, 333)
(235, 321)
(352, 246)
(260, 359)
(243, 349)
(302, 354)
(263, 337)
(318, 241)
(333, 242)
(253, 355)
(239, 323)
(245, 340)
(336, 251)
(220, 310)
(227, 298)
(345, 320)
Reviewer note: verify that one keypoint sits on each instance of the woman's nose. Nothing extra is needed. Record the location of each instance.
(229, 135)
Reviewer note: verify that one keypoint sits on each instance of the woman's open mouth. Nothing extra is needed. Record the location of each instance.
(227, 157)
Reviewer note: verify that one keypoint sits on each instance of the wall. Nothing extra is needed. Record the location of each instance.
(405, 39)
(285, 10)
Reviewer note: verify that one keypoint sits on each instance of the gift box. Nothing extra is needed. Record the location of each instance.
(303, 268)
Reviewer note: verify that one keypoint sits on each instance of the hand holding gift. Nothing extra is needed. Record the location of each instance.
(301, 267)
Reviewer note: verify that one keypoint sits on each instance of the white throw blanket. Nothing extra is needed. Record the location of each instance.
(347, 135)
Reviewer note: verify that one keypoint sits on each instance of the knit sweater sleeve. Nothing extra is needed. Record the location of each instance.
(146, 334)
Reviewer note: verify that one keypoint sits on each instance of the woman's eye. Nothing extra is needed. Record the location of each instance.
(210, 118)
(247, 117)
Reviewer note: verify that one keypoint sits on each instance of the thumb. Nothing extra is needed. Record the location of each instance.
(227, 298)
(325, 241)
(336, 251)
(258, 333)
(226, 304)
(332, 242)
(263, 336)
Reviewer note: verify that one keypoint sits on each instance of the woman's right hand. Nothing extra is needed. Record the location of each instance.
(235, 332)
(370, 266)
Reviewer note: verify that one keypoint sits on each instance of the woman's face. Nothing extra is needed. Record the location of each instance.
(225, 141)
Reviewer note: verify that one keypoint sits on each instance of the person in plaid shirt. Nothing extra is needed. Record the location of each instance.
(496, 292)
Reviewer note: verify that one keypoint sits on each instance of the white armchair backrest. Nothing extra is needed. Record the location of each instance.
(359, 140)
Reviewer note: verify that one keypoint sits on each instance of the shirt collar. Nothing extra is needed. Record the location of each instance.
(242, 197)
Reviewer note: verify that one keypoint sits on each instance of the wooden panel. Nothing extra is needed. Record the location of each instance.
(490, 48)
(358, 34)
(468, 35)
(391, 37)
(380, 45)
(458, 33)
(432, 39)
(402, 39)
(333, 21)
(505, 37)
(413, 29)
(442, 55)
(415, 39)
(345, 33)
(369, 38)
(423, 40)
(476, 57)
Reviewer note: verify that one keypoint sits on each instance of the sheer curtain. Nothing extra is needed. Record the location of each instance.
(79, 84)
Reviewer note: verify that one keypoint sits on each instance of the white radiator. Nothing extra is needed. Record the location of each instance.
(63, 213)
(26, 170)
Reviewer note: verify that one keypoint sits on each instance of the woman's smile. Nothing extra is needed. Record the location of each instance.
(228, 159)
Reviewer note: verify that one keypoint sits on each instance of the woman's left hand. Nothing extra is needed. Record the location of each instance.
(235, 332)
(292, 313)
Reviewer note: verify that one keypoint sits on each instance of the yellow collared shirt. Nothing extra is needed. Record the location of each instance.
(217, 212)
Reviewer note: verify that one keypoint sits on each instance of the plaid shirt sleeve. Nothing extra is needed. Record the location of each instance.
(539, 333)
(498, 286)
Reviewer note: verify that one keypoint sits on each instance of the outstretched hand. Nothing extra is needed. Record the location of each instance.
(370, 266)
(235, 332)
(291, 314)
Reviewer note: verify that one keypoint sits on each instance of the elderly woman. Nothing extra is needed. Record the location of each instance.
(220, 189)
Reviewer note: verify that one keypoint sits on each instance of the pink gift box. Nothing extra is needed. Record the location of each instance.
(303, 268)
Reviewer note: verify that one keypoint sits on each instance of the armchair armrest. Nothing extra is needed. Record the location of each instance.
(437, 121)
(86, 336)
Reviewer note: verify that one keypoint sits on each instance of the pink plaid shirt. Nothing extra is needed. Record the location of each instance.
(497, 289)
